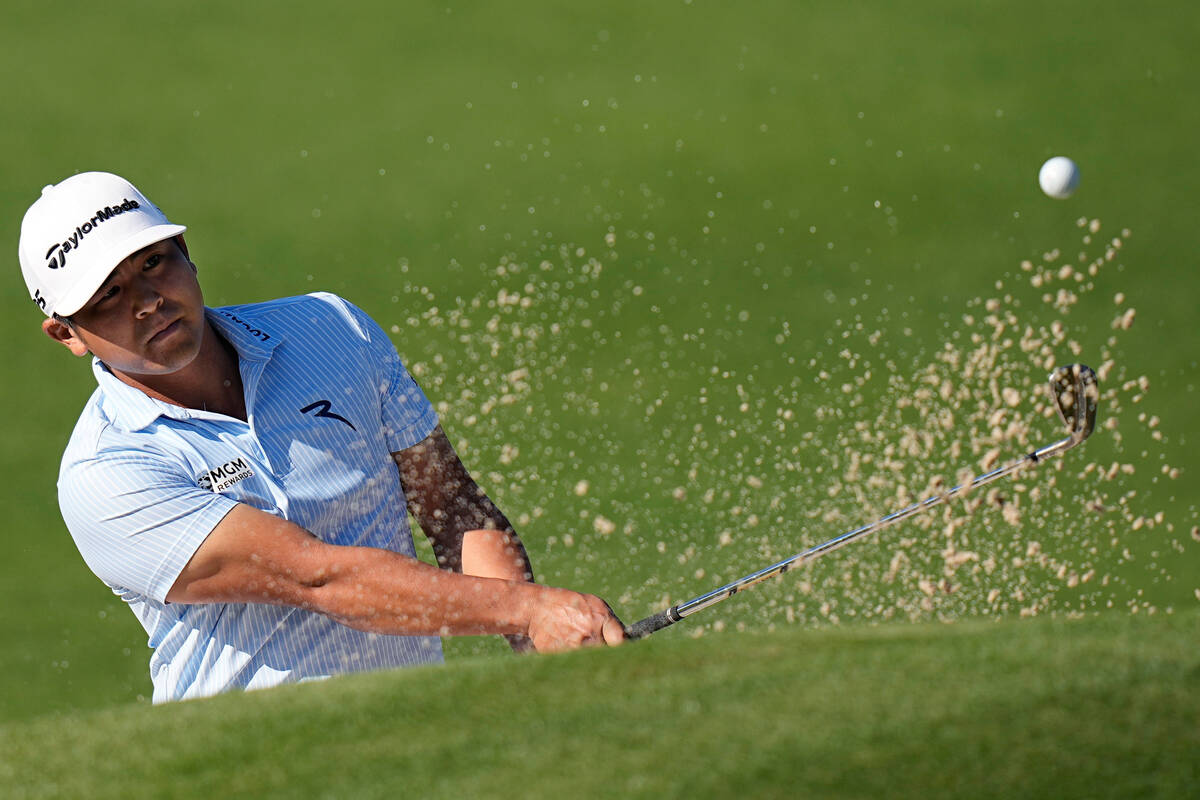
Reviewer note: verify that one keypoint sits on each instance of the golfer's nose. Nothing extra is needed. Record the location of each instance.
(146, 297)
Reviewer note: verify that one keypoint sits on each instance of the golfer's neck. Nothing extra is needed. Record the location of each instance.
(211, 382)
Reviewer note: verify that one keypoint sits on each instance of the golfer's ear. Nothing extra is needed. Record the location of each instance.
(183, 248)
(62, 333)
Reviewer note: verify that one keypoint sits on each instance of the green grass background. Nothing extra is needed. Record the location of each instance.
(755, 164)
(1096, 708)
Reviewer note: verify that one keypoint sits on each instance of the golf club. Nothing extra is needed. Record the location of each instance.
(1075, 393)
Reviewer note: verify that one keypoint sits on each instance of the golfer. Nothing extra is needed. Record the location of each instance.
(242, 476)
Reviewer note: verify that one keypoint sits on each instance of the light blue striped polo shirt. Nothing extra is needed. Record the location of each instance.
(144, 482)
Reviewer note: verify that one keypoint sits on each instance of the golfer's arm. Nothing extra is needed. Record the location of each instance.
(254, 557)
(468, 532)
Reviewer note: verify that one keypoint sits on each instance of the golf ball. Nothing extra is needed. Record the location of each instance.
(1058, 177)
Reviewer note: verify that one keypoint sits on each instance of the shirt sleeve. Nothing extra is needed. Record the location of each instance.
(136, 518)
(406, 414)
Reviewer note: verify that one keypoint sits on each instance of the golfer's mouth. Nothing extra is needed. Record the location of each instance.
(166, 332)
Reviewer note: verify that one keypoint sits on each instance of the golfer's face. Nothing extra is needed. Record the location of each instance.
(148, 317)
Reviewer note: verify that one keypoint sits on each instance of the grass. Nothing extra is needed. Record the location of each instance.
(1092, 708)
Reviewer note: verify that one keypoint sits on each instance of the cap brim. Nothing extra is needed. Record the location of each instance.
(104, 264)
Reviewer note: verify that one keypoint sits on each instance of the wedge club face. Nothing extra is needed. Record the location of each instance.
(1076, 395)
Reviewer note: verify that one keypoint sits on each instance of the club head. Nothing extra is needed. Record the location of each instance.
(1076, 395)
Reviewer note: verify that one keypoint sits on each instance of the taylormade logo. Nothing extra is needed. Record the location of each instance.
(56, 256)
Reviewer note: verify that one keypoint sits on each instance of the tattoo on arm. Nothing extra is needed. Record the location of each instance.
(446, 501)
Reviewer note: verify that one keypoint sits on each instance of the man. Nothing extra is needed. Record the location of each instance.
(241, 477)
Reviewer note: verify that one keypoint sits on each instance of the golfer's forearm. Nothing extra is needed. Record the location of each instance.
(473, 517)
(495, 554)
(384, 592)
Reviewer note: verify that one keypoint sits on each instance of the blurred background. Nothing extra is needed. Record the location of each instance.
(693, 285)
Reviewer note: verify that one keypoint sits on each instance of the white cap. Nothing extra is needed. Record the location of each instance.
(77, 233)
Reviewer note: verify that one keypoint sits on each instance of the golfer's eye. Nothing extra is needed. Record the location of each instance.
(153, 261)
(108, 294)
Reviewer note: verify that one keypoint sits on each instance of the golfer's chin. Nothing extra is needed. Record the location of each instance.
(161, 360)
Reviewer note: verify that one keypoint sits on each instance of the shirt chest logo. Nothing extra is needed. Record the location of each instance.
(221, 478)
(321, 407)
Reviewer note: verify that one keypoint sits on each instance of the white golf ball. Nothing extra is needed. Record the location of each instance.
(1059, 177)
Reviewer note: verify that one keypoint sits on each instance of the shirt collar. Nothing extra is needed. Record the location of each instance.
(131, 409)
(245, 330)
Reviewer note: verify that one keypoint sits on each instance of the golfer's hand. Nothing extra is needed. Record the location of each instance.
(564, 620)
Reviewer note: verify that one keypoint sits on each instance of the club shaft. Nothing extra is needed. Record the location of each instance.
(675, 613)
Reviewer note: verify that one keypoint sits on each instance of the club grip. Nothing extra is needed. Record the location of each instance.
(655, 622)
